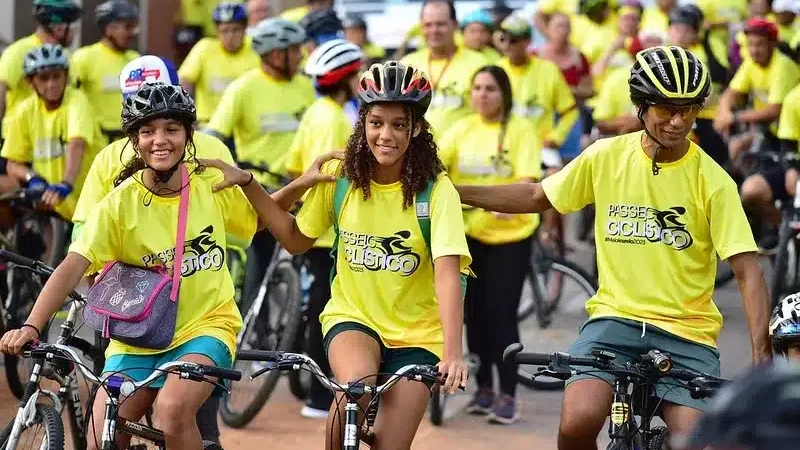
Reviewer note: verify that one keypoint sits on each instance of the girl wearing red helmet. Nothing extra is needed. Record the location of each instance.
(395, 299)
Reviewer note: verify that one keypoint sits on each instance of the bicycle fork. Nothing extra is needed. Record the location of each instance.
(621, 425)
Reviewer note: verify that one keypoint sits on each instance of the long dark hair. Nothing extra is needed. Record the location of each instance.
(136, 163)
(504, 83)
(421, 164)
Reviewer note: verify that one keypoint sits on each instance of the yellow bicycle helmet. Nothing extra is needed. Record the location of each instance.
(668, 75)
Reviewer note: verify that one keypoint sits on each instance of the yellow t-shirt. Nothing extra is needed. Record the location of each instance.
(654, 19)
(541, 92)
(95, 70)
(451, 81)
(263, 114)
(199, 13)
(593, 39)
(211, 69)
(295, 14)
(12, 72)
(384, 270)
(40, 137)
(614, 99)
(658, 237)
(789, 124)
(562, 6)
(469, 151)
(372, 51)
(768, 85)
(325, 127)
(110, 161)
(121, 228)
(491, 55)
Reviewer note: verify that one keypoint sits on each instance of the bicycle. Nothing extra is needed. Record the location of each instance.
(270, 322)
(785, 274)
(39, 235)
(58, 362)
(623, 430)
(354, 432)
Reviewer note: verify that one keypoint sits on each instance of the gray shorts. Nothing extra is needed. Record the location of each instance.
(624, 338)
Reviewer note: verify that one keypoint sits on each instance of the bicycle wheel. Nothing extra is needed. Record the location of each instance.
(785, 265)
(23, 290)
(45, 433)
(300, 380)
(273, 327)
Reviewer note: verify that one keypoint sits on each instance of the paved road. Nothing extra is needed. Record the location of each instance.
(279, 424)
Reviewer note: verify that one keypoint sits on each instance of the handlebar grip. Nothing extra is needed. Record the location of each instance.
(17, 259)
(221, 372)
(533, 359)
(259, 355)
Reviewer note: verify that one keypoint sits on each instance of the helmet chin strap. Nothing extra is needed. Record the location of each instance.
(163, 176)
(659, 145)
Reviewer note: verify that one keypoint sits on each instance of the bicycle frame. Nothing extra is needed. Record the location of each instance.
(622, 428)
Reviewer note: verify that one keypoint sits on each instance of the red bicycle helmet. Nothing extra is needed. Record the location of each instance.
(393, 81)
(762, 27)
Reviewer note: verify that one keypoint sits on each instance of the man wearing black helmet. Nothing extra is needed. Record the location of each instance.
(54, 19)
(95, 68)
(665, 210)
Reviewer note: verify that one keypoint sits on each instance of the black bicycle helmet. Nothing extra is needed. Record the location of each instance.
(115, 10)
(758, 412)
(668, 75)
(393, 81)
(154, 100)
(322, 23)
(52, 12)
(689, 15)
(354, 21)
(784, 326)
(589, 6)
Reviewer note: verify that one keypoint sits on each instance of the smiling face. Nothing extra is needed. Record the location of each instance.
(388, 132)
(671, 124)
(161, 143)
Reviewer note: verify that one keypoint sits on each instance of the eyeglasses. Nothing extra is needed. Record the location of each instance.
(667, 112)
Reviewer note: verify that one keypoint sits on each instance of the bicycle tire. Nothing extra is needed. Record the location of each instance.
(13, 318)
(660, 439)
(778, 288)
(437, 407)
(300, 380)
(532, 279)
(547, 305)
(284, 273)
(50, 419)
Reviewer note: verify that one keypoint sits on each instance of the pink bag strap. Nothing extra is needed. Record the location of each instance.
(183, 213)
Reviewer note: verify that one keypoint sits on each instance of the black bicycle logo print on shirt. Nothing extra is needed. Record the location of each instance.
(199, 253)
(374, 253)
(640, 225)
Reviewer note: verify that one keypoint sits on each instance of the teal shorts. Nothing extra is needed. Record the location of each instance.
(139, 367)
(624, 338)
(392, 359)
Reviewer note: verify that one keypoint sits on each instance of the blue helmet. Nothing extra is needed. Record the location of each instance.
(229, 12)
(480, 16)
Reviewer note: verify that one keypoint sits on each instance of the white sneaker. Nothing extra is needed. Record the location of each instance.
(314, 413)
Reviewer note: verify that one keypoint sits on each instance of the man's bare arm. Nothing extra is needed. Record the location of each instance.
(755, 297)
(518, 198)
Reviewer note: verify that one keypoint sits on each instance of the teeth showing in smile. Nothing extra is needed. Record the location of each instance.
(161, 152)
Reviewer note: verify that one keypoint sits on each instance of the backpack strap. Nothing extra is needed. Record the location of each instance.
(422, 204)
(339, 194)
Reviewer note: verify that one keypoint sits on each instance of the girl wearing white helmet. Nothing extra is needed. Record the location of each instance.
(333, 67)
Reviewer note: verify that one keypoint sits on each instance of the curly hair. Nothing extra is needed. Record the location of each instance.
(136, 163)
(421, 164)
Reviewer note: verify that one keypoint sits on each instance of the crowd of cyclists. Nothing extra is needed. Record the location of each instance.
(415, 183)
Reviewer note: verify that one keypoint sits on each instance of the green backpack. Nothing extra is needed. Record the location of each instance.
(421, 204)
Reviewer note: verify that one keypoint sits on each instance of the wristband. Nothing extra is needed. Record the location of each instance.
(252, 177)
(38, 333)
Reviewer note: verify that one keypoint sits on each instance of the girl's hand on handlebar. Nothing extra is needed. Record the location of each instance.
(12, 341)
(455, 373)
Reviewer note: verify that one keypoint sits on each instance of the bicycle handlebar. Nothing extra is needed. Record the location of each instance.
(184, 369)
(295, 361)
(35, 266)
(699, 384)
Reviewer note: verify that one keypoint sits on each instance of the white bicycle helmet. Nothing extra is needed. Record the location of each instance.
(276, 34)
(784, 325)
(47, 56)
(333, 61)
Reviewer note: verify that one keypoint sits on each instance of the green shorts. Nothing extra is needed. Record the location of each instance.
(624, 338)
(392, 359)
(139, 367)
